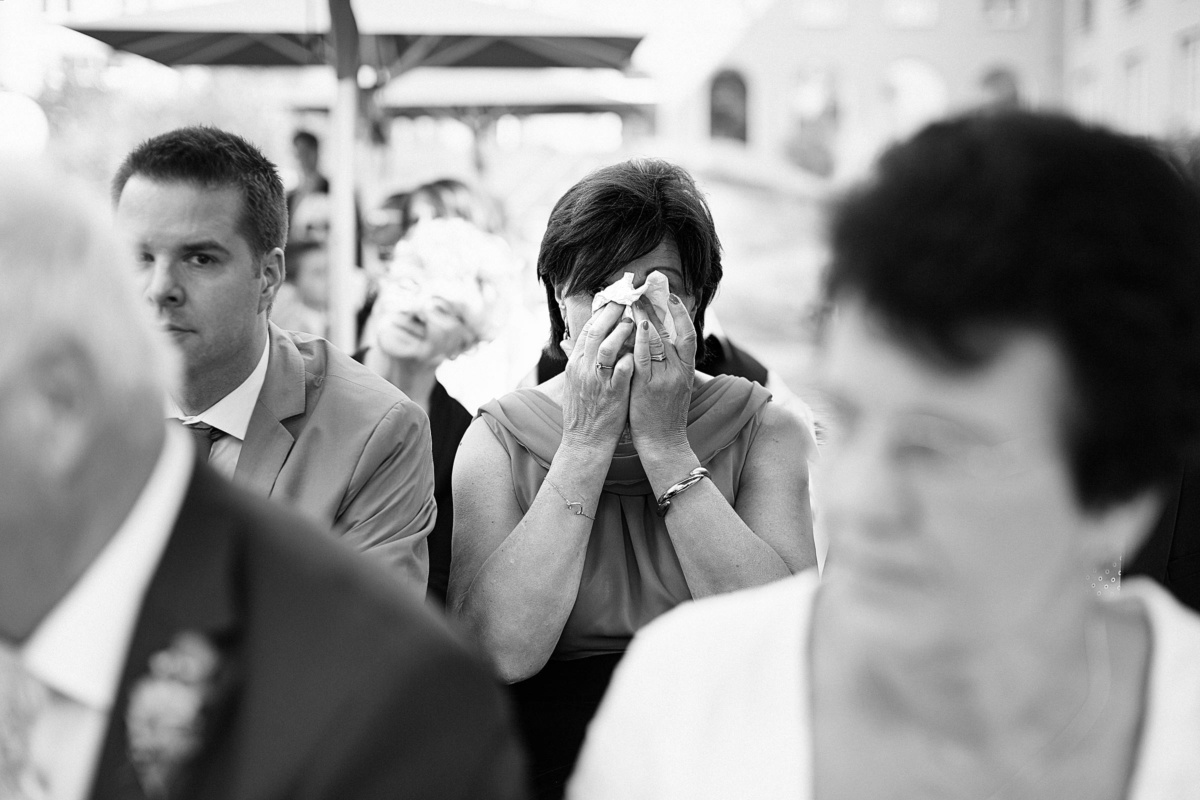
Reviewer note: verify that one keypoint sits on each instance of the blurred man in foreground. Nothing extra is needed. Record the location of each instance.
(286, 415)
(162, 633)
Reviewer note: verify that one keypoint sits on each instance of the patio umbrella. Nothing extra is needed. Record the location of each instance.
(396, 35)
(390, 36)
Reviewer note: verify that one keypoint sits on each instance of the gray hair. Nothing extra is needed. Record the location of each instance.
(68, 280)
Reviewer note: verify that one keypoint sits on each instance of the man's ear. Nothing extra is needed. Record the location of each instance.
(1121, 529)
(272, 271)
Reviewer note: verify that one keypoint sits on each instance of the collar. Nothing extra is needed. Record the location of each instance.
(79, 647)
(232, 412)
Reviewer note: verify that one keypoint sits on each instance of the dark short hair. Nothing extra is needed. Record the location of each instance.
(215, 159)
(307, 138)
(990, 223)
(617, 214)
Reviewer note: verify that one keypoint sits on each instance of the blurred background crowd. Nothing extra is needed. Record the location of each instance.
(771, 104)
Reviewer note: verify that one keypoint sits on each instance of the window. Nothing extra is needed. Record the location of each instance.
(1135, 111)
(1087, 15)
(727, 107)
(1190, 74)
(822, 13)
(1001, 88)
(1004, 14)
(1085, 97)
(812, 140)
(911, 13)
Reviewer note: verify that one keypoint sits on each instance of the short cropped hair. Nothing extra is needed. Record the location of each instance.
(988, 223)
(617, 214)
(215, 159)
(307, 138)
(66, 281)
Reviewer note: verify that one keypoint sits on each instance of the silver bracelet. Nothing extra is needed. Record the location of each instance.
(694, 477)
(574, 505)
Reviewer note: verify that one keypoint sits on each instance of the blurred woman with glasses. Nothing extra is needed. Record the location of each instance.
(446, 290)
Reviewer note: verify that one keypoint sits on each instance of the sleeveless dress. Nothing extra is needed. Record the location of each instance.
(631, 573)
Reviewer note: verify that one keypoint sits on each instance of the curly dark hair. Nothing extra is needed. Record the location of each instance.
(987, 223)
(215, 159)
(622, 212)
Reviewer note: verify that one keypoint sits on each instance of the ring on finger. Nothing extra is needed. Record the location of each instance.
(601, 367)
(658, 356)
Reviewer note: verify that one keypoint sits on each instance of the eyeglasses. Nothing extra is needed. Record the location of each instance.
(930, 446)
(412, 294)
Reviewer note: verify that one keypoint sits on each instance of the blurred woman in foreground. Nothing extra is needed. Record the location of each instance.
(1012, 370)
(446, 291)
(630, 483)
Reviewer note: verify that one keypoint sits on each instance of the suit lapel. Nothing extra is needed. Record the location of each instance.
(268, 441)
(194, 590)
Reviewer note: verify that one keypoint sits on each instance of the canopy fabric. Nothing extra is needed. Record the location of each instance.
(401, 35)
(440, 91)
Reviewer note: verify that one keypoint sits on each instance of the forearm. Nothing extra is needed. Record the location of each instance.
(717, 550)
(519, 601)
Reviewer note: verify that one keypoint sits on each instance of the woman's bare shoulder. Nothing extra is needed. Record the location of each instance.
(554, 387)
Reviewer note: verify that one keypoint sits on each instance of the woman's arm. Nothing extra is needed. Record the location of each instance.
(767, 534)
(514, 577)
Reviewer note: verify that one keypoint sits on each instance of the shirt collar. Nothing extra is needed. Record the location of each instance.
(79, 648)
(231, 414)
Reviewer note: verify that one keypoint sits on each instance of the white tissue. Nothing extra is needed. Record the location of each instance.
(656, 289)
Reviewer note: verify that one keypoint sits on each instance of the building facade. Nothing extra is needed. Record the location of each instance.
(1135, 64)
(824, 84)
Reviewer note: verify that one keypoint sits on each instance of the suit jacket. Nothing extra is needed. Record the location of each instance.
(449, 421)
(339, 686)
(1171, 555)
(342, 445)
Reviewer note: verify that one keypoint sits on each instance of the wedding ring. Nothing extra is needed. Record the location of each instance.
(659, 357)
(600, 366)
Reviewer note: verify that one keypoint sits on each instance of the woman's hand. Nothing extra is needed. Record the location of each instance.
(596, 399)
(661, 389)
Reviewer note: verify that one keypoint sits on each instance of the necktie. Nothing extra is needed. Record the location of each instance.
(205, 435)
(22, 699)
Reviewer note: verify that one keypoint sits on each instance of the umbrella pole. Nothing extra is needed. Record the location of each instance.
(343, 229)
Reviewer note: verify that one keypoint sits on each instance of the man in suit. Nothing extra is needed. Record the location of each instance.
(288, 415)
(163, 633)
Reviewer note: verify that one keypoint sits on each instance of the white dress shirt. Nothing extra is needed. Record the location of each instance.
(78, 650)
(231, 414)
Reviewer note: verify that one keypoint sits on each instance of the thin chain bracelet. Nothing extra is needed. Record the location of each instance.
(573, 505)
